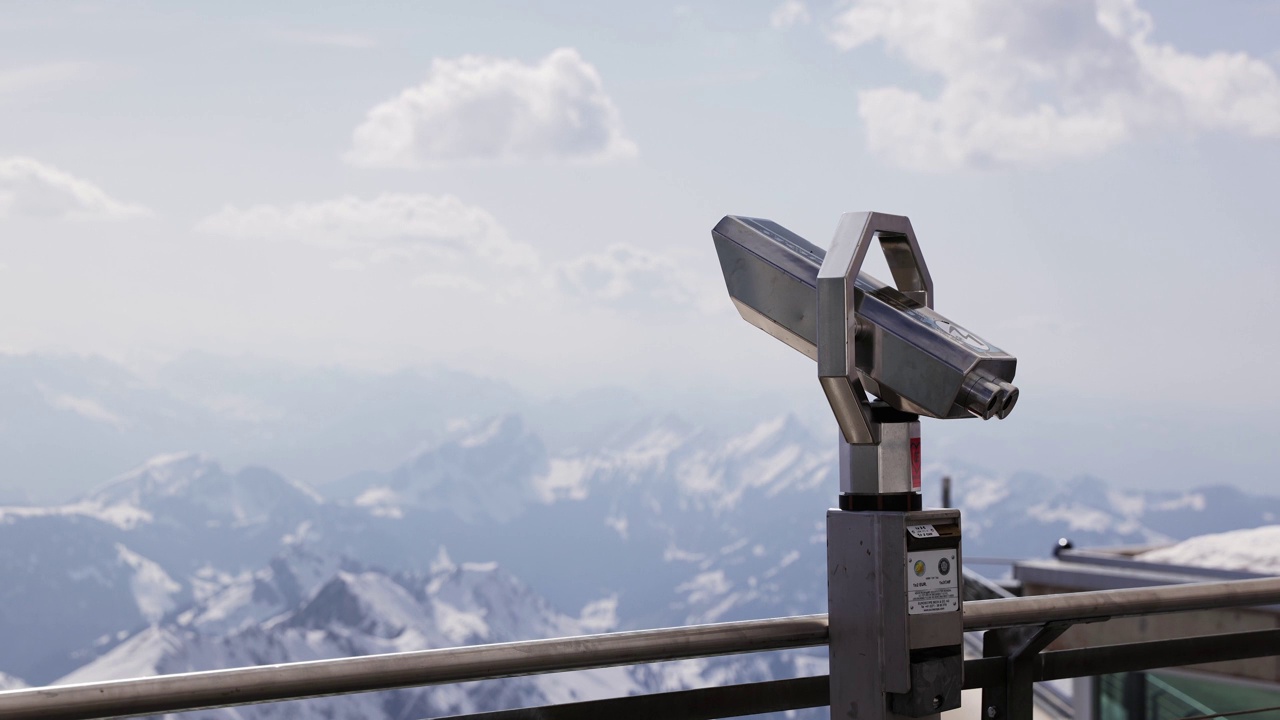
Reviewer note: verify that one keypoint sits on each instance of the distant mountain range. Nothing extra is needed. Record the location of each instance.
(304, 607)
(487, 535)
(313, 424)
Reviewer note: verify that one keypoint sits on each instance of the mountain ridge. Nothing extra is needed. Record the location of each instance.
(666, 524)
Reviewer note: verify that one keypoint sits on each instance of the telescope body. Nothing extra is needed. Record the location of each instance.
(893, 569)
(901, 351)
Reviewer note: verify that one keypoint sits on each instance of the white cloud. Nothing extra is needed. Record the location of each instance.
(789, 14)
(87, 408)
(1033, 83)
(483, 108)
(627, 277)
(389, 226)
(454, 247)
(32, 189)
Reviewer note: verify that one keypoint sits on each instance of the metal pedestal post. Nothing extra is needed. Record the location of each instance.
(893, 586)
(868, 634)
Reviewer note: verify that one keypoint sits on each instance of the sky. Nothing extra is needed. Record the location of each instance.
(527, 191)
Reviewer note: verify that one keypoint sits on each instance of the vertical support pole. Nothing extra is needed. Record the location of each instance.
(1014, 699)
(1084, 698)
(893, 585)
(867, 613)
(1135, 695)
(946, 491)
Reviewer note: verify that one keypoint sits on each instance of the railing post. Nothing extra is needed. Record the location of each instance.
(1134, 695)
(1014, 699)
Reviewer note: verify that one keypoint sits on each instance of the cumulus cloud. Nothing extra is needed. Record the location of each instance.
(789, 14)
(493, 109)
(33, 189)
(388, 226)
(1034, 83)
(628, 277)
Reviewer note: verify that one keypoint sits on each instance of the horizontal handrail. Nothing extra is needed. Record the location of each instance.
(291, 681)
(1125, 602)
(724, 701)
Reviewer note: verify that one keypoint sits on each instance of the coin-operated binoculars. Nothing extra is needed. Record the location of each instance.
(893, 569)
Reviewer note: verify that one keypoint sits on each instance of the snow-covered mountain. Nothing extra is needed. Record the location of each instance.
(9, 682)
(138, 548)
(1253, 550)
(316, 424)
(1023, 515)
(662, 522)
(188, 488)
(482, 474)
(358, 610)
(719, 517)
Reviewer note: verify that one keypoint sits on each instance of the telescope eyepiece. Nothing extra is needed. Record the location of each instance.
(987, 397)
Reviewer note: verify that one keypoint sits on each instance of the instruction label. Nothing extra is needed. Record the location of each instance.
(932, 585)
(922, 531)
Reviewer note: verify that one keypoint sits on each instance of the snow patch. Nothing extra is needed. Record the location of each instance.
(757, 436)
(139, 656)
(85, 407)
(299, 535)
(981, 493)
(705, 586)
(123, 516)
(699, 475)
(153, 589)
(600, 615)
(566, 479)
(487, 434)
(1190, 501)
(1256, 550)
(382, 501)
(1077, 517)
(11, 682)
(1127, 504)
(458, 625)
(673, 553)
(618, 523)
(443, 563)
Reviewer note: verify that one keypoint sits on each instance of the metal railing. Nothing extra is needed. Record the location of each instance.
(1017, 630)
(1053, 702)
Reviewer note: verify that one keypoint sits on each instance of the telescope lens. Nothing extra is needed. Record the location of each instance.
(1010, 399)
(987, 397)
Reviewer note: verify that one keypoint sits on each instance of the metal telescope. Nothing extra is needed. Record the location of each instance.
(893, 568)
(864, 334)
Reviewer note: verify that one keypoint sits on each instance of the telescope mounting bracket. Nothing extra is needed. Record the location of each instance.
(838, 300)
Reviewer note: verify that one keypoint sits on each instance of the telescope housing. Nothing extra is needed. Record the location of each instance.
(914, 359)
